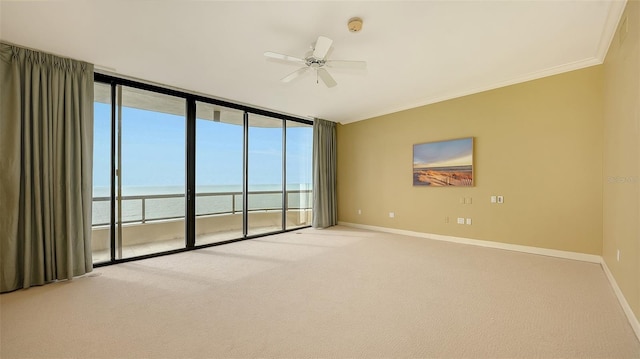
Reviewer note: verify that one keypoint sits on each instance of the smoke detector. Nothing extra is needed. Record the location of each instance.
(355, 24)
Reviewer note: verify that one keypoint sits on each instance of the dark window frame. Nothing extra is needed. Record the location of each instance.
(190, 171)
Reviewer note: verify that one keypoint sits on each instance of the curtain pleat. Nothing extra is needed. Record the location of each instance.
(324, 174)
(46, 135)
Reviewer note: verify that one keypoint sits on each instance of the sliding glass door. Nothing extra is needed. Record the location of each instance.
(150, 163)
(101, 216)
(219, 173)
(298, 160)
(174, 171)
(139, 166)
(265, 164)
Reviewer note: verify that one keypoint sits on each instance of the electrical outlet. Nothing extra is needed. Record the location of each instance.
(392, 215)
(460, 220)
(461, 200)
(500, 199)
(494, 199)
(468, 200)
(359, 211)
(468, 221)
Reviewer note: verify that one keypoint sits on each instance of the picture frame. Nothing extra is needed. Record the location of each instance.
(444, 163)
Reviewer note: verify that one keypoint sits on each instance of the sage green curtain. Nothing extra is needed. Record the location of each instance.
(46, 134)
(325, 213)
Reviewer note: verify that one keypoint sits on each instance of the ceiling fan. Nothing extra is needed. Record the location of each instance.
(316, 60)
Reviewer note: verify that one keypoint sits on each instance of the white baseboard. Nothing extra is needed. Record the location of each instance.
(635, 324)
(477, 242)
(591, 258)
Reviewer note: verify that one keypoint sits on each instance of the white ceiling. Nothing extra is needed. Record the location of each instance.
(417, 52)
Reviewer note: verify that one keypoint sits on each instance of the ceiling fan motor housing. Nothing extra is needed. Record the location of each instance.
(314, 63)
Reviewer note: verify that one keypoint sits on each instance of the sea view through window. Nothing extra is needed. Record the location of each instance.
(141, 153)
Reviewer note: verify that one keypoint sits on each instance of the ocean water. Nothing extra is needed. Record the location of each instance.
(138, 203)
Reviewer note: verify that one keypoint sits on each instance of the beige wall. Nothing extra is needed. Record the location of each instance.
(621, 156)
(538, 144)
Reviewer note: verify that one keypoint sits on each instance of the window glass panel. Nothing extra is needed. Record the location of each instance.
(151, 162)
(219, 151)
(265, 175)
(299, 146)
(101, 216)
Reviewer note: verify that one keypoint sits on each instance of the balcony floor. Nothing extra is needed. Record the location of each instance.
(135, 250)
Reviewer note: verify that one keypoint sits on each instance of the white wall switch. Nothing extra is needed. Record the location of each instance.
(392, 215)
(359, 211)
(468, 221)
(460, 220)
(494, 199)
(500, 199)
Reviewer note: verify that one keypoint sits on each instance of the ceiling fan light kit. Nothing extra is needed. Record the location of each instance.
(317, 61)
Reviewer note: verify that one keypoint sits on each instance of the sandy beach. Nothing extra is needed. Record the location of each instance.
(442, 177)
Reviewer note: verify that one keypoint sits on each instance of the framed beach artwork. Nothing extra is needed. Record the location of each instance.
(443, 163)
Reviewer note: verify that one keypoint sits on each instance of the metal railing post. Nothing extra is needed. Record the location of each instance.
(144, 210)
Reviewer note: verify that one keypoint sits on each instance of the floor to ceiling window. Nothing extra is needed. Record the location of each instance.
(149, 165)
(219, 173)
(298, 159)
(150, 159)
(101, 216)
(174, 171)
(265, 164)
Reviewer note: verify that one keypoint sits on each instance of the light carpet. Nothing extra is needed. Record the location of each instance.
(334, 293)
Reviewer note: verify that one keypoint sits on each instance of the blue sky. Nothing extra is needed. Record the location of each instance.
(153, 147)
(444, 154)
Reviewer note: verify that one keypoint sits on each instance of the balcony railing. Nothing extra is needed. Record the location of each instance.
(143, 208)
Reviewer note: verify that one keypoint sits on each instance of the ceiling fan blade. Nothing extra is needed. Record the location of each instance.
(294, 74)
(326, 77)
(322, 47)
(277, 56)
(343, 64)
